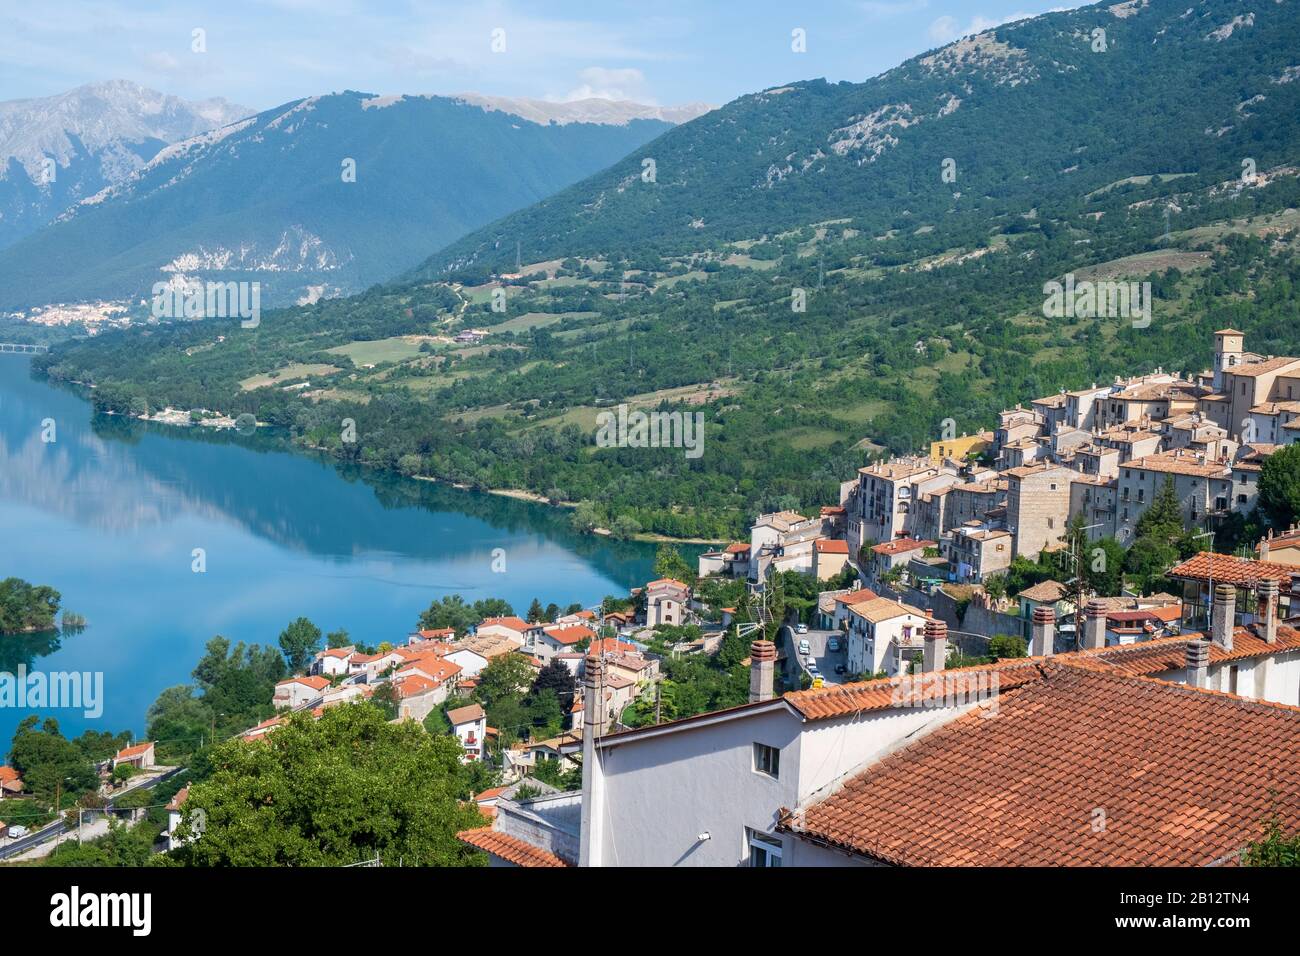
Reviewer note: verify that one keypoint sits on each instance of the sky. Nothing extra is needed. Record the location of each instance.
(261, 53)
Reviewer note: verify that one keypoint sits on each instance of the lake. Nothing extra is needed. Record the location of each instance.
(111, 512)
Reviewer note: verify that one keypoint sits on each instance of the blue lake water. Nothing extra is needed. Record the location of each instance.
(110, 513)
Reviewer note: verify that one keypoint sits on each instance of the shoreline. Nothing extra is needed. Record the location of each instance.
(518, 494)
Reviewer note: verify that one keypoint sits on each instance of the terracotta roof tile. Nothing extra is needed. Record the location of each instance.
(1183, 777)
(509, 848)
(1228, 569)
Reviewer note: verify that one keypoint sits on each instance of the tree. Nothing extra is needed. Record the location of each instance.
(337, 639)
(299, 641)
(345, 788)
(48, 762)
(506, 677)
(558, 679)
(585, 517)
(669, 563)
(625, 527)
(535, 612)
(1007, 645)
(1164, 518)
(1279, 486)
(1274, 848)
(450, 611)
(387, 699)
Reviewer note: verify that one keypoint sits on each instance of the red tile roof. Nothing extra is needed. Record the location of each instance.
(138, 750)
(901, 546)
(1170, 653)
(513, 623)
(509, 848)
(463, 715)
(315, 683)
(1082, 767)
(1228, 569)
(572, 634)
(828, 546)
(9, 775)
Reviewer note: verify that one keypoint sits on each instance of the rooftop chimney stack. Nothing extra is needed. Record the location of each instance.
(936, 646)
(591, 849)
(1223, 619)
(1198, 663)
(1044, 632)
(1266, 625)
(1094, 625)
(762, 670)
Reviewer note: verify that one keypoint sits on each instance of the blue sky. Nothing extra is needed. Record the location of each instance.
(265, 52)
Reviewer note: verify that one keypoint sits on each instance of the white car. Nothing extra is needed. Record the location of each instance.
(17, 831)
(802, 628)
(804, 648)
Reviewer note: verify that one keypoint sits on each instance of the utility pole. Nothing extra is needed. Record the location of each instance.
(658, 700)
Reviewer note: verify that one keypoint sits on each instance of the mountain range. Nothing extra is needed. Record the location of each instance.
(825, 271)
(57, 150)
(323, 195)
(1043, 108)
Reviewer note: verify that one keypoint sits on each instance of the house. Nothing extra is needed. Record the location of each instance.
(261, 730)
(374, 666)
(332, 662)
(829, 558)
(732, 561)
(960, 448)
(783, 541)
(1201, 574)
(469, 724)
(880, 631)
(974, 552)
(1047, 593)
(666, 602)
(446, 635)
(174, 817)
(1203, 485)
(470, 662)
(893, 554)
(1038, 506)
(11, 784)
(555, 639)
(140, 756)
(902, 771)
(297, 691)
(512, 627)
(1281, 549)
(542, 831)
(486, 647)
(641, 670)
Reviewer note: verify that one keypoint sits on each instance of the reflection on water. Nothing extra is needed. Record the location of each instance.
(111, 512)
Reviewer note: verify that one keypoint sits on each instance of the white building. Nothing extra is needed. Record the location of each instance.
(469, 724)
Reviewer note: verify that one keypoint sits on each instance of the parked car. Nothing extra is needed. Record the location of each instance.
(802, 628)
(16, 831)
(833, 644)
(805, 648)
(840, 668)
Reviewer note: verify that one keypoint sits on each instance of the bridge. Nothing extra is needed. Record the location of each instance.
(21, 347)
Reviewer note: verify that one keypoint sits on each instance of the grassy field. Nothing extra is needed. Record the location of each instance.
(399, 348)
(287, 374)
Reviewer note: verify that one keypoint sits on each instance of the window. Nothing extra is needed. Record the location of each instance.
(767, 760)
(764, 850)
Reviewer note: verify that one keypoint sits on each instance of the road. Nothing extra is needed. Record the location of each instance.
(826, 659)
(59, 826)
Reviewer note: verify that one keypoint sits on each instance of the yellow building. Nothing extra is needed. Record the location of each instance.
(959, 448)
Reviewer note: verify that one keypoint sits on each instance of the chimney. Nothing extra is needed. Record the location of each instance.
(1266, 620)
(1198, 663)
(1225, 609)
(1264, 545)
(592, 838)
(1044, 632)
(1094, 625)
(762, 670)
(936, 646)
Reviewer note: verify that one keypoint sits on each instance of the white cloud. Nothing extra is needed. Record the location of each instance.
(946, 29)
(601, 83)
